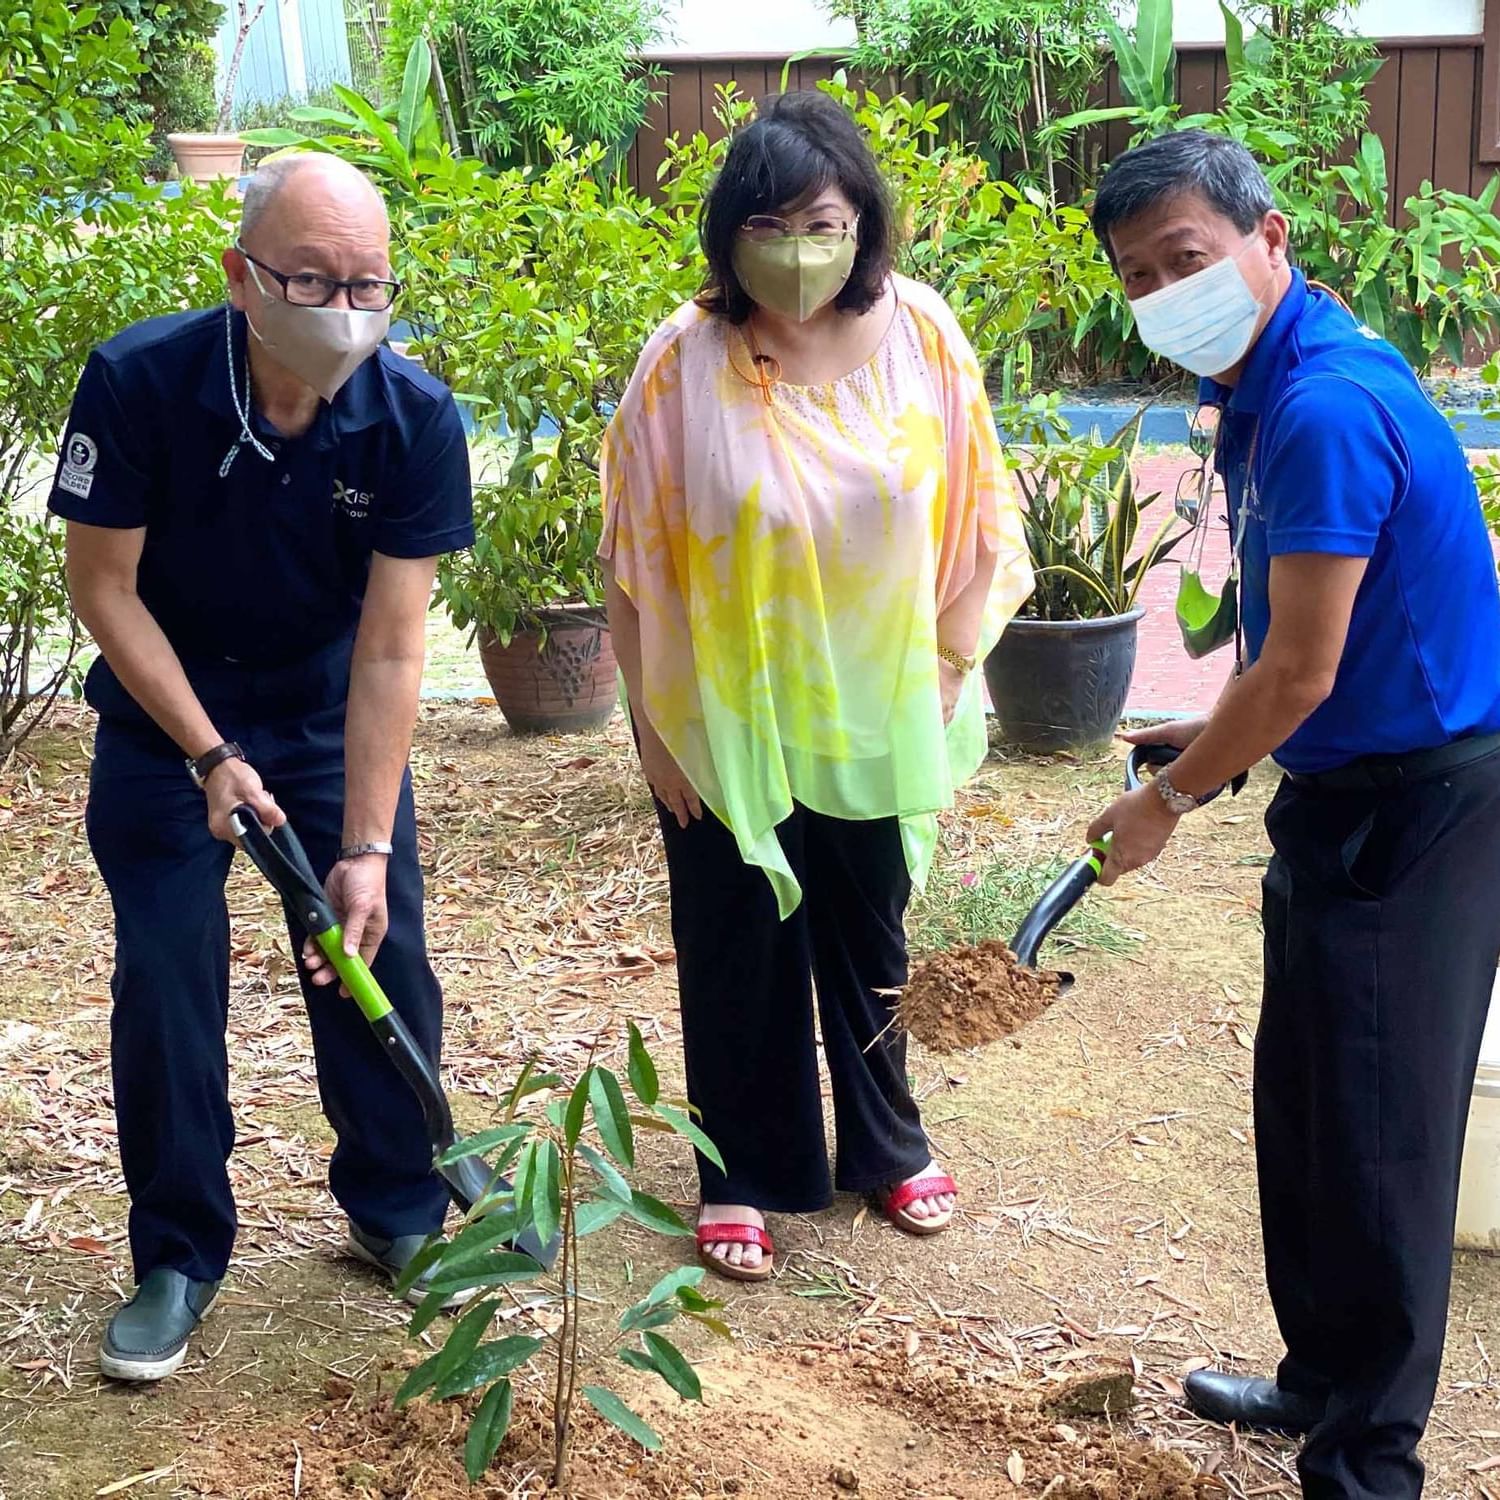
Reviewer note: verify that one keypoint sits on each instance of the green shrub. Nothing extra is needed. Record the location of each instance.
(85, 248)
(175, 88)
(532, 294)
(555, 65)
(1000, 65)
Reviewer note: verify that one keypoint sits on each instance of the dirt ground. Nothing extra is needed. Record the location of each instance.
(1104, 1155)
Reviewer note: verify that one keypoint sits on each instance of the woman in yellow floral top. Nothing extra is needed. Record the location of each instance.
(809, 541)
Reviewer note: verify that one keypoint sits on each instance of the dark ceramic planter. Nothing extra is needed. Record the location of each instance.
(1061, 684)
(560, 680)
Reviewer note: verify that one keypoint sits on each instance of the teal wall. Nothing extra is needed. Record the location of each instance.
(268, 71)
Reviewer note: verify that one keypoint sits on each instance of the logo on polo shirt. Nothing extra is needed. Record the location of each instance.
(77, 472)
(354, 503)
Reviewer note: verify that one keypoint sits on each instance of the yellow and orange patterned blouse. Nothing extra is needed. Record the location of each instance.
(790, 550)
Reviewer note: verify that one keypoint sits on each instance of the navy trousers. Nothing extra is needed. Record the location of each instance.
(1382, 931)
(165, 873)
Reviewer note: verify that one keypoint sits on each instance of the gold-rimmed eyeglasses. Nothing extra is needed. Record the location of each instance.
(825, 228)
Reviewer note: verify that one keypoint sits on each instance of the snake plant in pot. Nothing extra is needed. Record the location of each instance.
(1059, 675)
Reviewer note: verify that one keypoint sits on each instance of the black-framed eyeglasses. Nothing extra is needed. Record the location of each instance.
(307, 289)
(1195, 487)
(825, 228)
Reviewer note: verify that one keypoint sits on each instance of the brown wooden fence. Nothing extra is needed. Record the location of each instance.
(1428, 104)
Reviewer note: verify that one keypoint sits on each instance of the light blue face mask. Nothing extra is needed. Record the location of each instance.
(1205, 322)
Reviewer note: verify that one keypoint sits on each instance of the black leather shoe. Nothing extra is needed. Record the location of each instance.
(148, 1338)
(1248, 1401)
(394, 1256)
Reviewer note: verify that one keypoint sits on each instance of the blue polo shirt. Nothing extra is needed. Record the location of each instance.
(258, 562)
(1354, 460)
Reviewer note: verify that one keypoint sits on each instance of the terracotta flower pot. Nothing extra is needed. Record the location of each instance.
(203, 157)
(560, 682)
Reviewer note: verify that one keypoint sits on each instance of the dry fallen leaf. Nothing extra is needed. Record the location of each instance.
(1015, 1466)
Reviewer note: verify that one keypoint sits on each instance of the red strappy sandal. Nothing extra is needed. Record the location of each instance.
(892, 1202)
(735, 1234)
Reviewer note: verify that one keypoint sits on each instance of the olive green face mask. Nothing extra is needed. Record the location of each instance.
(1206, 621)
(795, 274)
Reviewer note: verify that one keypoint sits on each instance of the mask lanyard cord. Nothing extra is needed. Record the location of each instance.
(241, 407)
(1237, 551)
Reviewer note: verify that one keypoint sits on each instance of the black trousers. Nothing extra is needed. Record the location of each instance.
(746, 986)
(1382, 932)
(165, 873)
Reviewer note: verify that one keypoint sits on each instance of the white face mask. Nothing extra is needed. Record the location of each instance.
(322, 346)
(1204, 322)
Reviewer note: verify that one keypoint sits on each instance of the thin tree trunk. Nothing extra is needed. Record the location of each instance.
(467, 85)
(450, 128)
(232, 73)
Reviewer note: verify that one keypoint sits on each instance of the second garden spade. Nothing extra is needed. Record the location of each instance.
(1071, 886)
(279, 856)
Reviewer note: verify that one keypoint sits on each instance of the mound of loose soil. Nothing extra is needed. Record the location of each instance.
(822, 1426)
(970, 997)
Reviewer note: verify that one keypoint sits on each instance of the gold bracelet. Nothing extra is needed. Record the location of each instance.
(965, 664)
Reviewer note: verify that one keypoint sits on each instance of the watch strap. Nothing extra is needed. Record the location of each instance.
(374, 846)
(1177, 802)
(199, 768)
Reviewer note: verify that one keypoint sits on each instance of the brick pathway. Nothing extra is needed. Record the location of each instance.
(1167, 680)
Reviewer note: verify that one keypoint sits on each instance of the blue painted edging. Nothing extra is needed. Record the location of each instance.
(1169, 424)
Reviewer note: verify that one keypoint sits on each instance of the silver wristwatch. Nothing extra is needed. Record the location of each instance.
(1177, 802)
(375, 846)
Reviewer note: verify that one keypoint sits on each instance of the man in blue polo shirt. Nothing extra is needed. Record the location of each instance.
(1370, 670)
(256, 498)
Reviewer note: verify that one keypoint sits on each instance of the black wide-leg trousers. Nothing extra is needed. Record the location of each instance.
(746, 980)
(1382, 932)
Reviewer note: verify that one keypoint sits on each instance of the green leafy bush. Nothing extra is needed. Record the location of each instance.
(1023, 272)
(174, 89)
(532, 294)
(85, 248)
(1082, 516)
(568, 1172)
(1001, 66)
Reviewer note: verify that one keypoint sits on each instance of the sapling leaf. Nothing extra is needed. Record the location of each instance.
(578, 1103)
(426, 1256)
(609, 1176)
(458, 1346)
(672, 1366)
(418, 1380)
(487, 1363)
(613, 1410)
(675, 1284)
(544, 1206)
(655, 1214)
(685, 1127)
(590, 1218)
(487, 1430)
(478, 1145)
(643, 1079)
(612, 1117)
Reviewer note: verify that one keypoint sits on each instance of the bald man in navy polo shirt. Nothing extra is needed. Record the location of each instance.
(256, 498)
(1370, 671)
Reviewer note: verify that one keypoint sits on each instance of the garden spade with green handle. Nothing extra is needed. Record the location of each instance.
(1071, 886)
(279, 856)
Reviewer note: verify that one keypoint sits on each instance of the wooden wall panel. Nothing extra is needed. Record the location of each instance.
(1416, 130)
(1428, 104)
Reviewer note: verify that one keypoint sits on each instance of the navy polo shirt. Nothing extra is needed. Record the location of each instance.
(1354, 460)
(265, 562)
